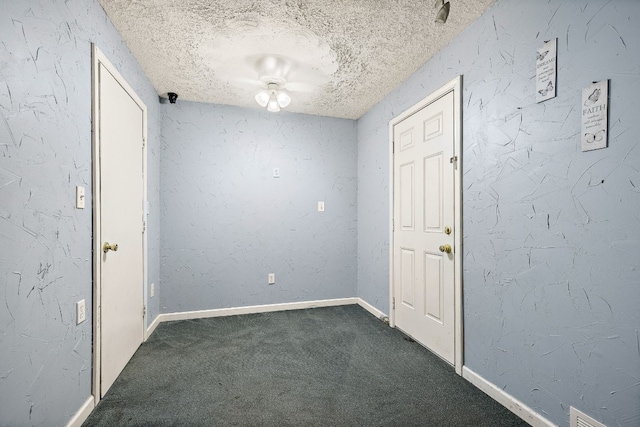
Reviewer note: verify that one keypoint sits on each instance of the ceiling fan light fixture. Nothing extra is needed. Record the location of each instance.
(262, 98)
(283, 99)
(273, 98)
(272, 72)
(273, 105)
(443, 13)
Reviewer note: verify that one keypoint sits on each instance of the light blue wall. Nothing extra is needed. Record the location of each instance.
(227, 223)
(551, 234)
(551, 253)
(45, 250)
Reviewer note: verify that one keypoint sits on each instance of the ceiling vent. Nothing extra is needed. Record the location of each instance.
(580, 419)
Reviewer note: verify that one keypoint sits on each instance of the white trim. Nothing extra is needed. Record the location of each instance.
(392, 311)
(83, 413)
(152, 327)
(371, 309)
(505, 399)
(95, 160)
(457, 255)
(454, 86)
(98, 58)
(234, 311)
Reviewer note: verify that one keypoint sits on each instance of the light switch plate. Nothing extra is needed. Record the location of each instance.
(81, 313)
(272, 278)
(152, 291)
(80, 197)
(320, 206)
(276, 173)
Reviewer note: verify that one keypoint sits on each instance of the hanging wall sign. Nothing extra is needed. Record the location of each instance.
(546, 71)
(595, 103)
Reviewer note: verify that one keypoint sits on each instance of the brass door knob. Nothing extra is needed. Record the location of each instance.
(445, 248)
(106, 247)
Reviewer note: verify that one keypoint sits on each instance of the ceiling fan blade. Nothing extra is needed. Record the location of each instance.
(243, 82)
(300, 87)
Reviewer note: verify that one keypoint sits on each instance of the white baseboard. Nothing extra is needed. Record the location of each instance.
(506, 400)
(83, 413)
(234, 311)
(371, 309)
(152, 327)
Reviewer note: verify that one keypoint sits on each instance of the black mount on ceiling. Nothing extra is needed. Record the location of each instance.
(172, 97)
(443, 13)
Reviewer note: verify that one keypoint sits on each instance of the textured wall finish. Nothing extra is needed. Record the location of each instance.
(227, 222)
(204, 49)
(551, 234)
(45, 251)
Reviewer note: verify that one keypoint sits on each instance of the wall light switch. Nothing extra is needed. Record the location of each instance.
(320, 206)
(276, 173)
(272, 278)
(152, 291)
(81, 313)
(80, 197)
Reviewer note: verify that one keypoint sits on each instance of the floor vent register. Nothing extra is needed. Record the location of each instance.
(580, 419)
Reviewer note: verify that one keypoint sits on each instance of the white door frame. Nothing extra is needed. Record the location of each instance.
(454, 86)
(98, 58)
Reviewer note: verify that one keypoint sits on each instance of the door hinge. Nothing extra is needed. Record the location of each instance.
(393, 146)
(394, 303)
(144, 142)
(454, 161)
(144, 226)
(144, 310)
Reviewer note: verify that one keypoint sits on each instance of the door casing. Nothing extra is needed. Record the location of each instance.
(454, 86)
(98, 58)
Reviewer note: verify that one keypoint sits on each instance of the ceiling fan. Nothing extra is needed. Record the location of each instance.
(276, 81)
(272, 75)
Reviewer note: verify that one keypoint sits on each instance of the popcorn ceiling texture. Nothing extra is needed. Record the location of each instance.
(371, 46)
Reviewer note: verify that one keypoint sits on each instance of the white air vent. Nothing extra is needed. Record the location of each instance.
(580, 419)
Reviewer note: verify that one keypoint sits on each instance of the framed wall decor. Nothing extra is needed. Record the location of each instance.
(595, 107)
(546, 70)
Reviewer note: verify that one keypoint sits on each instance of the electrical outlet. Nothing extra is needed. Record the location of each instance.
(276, 173)
(272, 278)
(152, 291)
(320, 206)
(81, 314)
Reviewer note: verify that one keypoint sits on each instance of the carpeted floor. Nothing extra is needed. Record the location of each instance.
(337, 366)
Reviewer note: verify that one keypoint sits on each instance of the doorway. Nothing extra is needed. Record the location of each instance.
(119, 129)
(426, 232)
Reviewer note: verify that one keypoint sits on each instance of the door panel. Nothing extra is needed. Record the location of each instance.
(408, 276)
(121, 218)
(434, 285)
(432, 200)
(427, 188)
(407, 195)
(406, 140)
(433, 127)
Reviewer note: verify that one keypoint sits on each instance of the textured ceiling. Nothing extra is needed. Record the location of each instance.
(342, 56)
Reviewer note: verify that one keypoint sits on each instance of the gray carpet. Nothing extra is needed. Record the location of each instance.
(337, 366)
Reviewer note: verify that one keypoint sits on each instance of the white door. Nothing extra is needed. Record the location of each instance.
(121, 125)
(423, 226)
